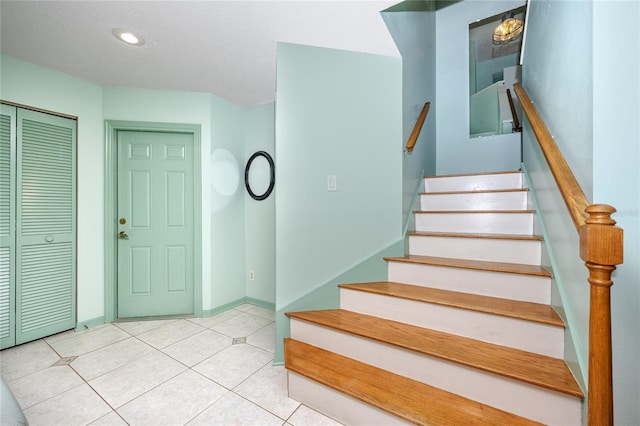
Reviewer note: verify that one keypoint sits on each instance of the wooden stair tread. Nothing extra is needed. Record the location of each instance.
(539, 370)
(527, 311)
(408, 399)
(474, 191)
(505, 172)
(473, 211)
(524, 237)
(483, 265)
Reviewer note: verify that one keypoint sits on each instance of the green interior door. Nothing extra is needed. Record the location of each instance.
(155, 224)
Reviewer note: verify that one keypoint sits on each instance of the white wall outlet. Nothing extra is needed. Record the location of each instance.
(252, 276)
(332, 183)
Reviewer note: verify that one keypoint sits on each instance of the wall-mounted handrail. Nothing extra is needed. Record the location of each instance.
(571, 191)
(516, 122)
(601, 248)
(413, 138)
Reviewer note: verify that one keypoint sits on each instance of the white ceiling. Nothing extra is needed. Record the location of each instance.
(227, 48)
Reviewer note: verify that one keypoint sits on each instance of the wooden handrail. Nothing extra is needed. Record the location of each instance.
(601, 248)
(516, 122)
(571, 192)
(413, 138)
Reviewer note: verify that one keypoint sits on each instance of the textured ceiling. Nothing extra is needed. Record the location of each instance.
(227, 48)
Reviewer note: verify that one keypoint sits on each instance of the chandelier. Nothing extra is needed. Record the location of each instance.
(510, 29)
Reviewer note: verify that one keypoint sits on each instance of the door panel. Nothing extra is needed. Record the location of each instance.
(45, 271)
(175, 203)
(7, 228)
(140, 266)
(155, 198)
(140, 199)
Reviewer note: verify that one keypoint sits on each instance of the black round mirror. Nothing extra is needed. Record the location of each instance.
(250, 180)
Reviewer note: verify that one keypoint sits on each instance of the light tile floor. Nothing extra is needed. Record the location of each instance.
(158, 372)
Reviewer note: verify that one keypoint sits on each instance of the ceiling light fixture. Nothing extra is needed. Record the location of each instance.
(510, 29)
(127, 37)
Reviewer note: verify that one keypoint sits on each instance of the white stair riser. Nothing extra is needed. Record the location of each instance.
(473, 182)
(528, 288)
(528, 336)
(476, 223)
(475, 201)
(506, 394)
(338, 406)
(494, 250)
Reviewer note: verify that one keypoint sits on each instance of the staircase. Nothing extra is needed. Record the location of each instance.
(462, 333)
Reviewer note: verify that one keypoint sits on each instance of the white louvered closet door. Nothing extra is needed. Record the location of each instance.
(44, 261)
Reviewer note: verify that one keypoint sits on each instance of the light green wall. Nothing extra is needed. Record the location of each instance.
(545, 56)
(484, 115)
(616, 180)
(28, 84)
(414, 34)
(260, 220)
(337, 113)
(227, 222)
(457, 152)
(586, 75)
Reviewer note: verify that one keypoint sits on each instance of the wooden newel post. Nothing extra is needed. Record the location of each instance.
(601, 247)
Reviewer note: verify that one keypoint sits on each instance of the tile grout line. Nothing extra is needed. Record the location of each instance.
(112, 409)
(234, 390)
(160, 350)
(257, 405)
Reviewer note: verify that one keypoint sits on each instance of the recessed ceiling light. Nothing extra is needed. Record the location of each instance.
(127, 37)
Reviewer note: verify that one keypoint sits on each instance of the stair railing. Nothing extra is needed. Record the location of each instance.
(601, 247)
(516, 122)
(413, 138)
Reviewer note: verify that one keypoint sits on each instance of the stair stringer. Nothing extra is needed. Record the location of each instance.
(576, 359)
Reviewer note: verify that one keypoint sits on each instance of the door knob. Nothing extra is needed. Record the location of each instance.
(123, 235)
